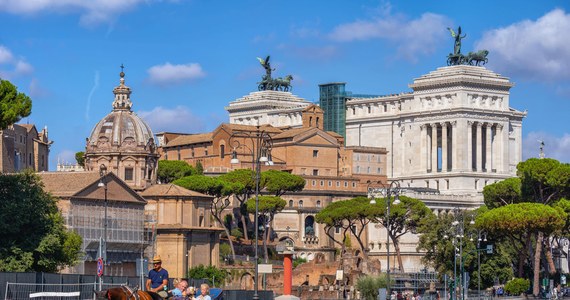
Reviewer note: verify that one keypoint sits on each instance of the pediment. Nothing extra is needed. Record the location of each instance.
(117, 191)
(315, 137)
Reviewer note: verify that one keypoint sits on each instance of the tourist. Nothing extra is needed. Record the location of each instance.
(204, 292)
(157, 278)
(179, 292)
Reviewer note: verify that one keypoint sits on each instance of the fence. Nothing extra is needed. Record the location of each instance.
(39, 286)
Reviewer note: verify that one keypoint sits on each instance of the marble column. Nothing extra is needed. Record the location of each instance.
(434, 147)
(423, 148)
(444, 147)
(489, 156)
(454, 146)
(499, 146)
(470, 146)
(479, 146)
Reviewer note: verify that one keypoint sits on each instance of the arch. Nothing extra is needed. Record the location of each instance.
(300, 203)
(318, 203)
(246, 281)
(290, 203)
(310, 225)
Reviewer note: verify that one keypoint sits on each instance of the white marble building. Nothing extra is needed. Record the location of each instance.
(268, 107)
(454, 133)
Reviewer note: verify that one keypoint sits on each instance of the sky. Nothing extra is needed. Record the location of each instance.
(185, 60)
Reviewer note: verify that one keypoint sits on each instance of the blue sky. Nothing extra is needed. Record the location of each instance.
(186, 60)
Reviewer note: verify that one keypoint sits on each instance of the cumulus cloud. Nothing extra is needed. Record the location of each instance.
(178, 119)
(554, 146)
(12, 66)
(173, 74)
(413, 37)
(533, 49)
(92, 12)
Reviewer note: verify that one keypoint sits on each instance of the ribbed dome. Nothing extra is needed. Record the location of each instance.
(121, 130)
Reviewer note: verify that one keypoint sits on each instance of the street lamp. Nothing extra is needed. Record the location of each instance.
(481, 237)
(386, 192)
(459, 226)
(260, 153)
(102, 173)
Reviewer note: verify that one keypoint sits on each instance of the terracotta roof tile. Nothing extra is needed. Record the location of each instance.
(66, 184)
(170, 190)
(190, 139)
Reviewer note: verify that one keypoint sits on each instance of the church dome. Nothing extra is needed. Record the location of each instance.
(121, 130)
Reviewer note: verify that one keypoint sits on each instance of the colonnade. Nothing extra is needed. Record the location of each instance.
(444, 143)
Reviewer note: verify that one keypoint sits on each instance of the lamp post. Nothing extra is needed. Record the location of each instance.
(459, 226)
(386, 191)
(260, 153)
(102, 173)
(481, 237)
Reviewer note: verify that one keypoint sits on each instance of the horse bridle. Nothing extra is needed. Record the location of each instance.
(130, 293)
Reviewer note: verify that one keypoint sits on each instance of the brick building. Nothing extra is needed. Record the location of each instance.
(23, 147)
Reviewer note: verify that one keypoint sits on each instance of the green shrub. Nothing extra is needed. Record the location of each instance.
(369, 285)
(211, 273)
(517, 286)
(237, 234)
(297, 261)
(225, 249)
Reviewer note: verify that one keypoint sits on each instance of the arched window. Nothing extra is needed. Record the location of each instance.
(318, 203)
(300, 203)
(290, 203)
(222, 151)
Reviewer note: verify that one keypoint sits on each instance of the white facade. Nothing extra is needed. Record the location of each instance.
(268, 107)
(455, 132)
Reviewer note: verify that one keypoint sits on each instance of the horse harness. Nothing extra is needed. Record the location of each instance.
(131, 293)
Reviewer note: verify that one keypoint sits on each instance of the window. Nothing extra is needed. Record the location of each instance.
(178, 151)
(318, 203)
(368, 170)
(322, 183)
(314, 182)
(354, 184)
(290, 203)
(315, 172)
(30, 159)
(357, 169)
(222, 150)
(369, 109)
(379, 171)
(128, 174)
(315, 153)
(191, 149)
(330, 183)
(337, 229)
(346, 184)
(300, 203)
(205, 151)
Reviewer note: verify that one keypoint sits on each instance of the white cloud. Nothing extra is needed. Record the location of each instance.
(172, 74)
(5, 55)
(178, 119)
(554, 147)
(412, 37)
(533, 49)
(92, 12)
(11, 66)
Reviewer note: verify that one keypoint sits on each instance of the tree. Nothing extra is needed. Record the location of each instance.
(405, 217)
(199, 168)
(220, 189)
(80, 158)
(171, 170)
(268, 206)
(32, 231)
(209, 272)
(352, 214)
(246, 179)
(526, 218)
(279, 182)
(13, 105)
(502, 193)
(369, 286)
(544, 180)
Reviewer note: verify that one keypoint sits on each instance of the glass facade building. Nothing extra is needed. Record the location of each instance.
(332, 97)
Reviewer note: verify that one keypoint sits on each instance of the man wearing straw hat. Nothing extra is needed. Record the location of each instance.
(157, 278)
